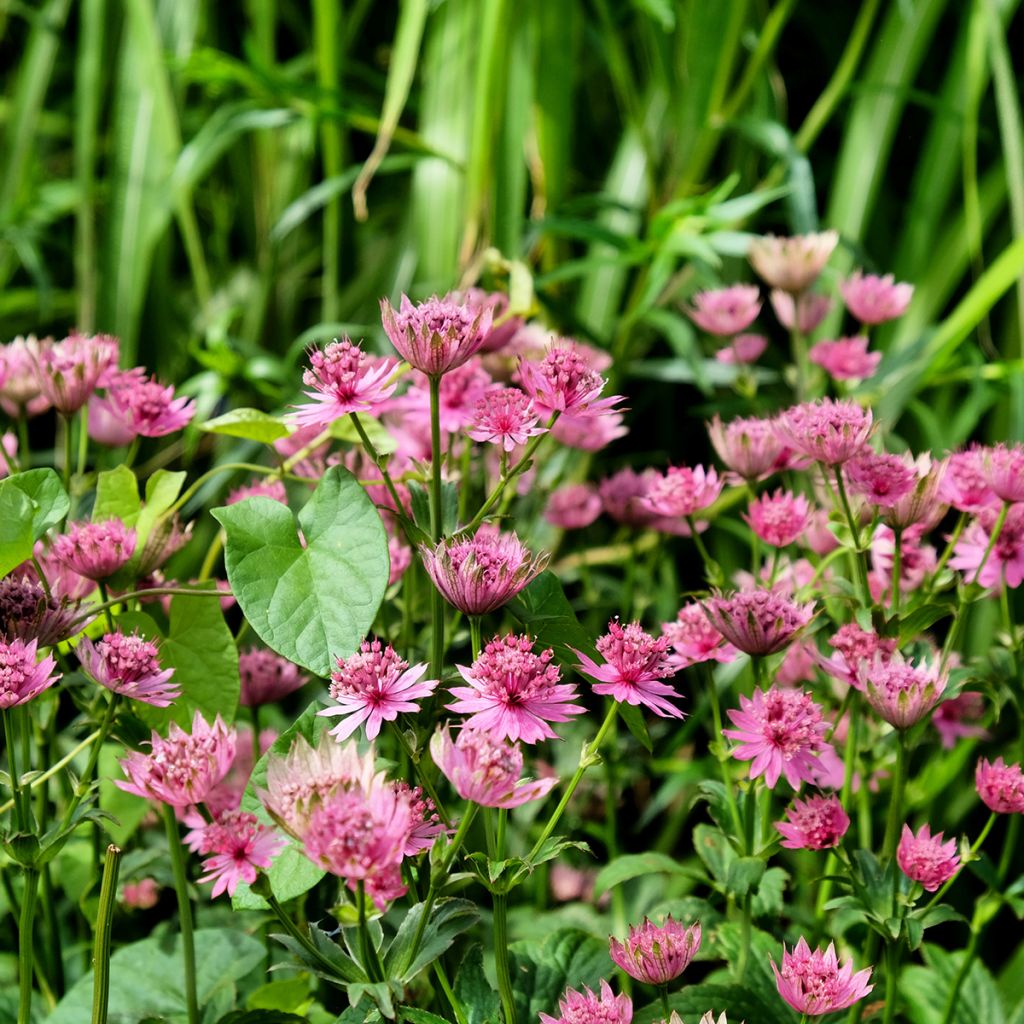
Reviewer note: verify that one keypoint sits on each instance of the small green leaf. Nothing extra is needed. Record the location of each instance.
(544, 610)
(638, 865)
(449, 919)
(743, 874)
(15, 528)
(344, 430)
(117, 496)
(249, 424)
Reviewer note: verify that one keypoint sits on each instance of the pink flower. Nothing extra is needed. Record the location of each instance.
(803, 313)
(1006, 559)
(70, 370)
(880, 479)
(925, 858)
(485, 770)
(564, 381)
(965, 485)
(514, 693)
(917, 560)
(503, 327)
(874, 300)
(742, 350)
(1003, 469)
(573, 506)
(854, 647)
(267, 677)
(140, 895)
(779, 518)
(95, 550)
(183, 768)
(623, 493)
(21, 676)
(459, 393)
(922, 504)
(758, 622)
(240, 845)
(635, 663)
(682, 492)
(400, 555)
(483, 573)
(427, 826)
(373, 686)
(781, 733)
(792, 264)
(846, 358)
(343, 379)
(817, 823)
(437, 335)
(589, 432)
(693, 639)
(818, 537)
(147, 408)
(952, 718)
(20, 388)
(504, 416)
(827, 431)
(1000, 786)
(748, 446)
(261, 487)
(27, 612)
(656, 954)
(797, 665)
(901, 692)
(130, 666)
(815, 983)
(726, 311)
(105, 426)
(588, 1007)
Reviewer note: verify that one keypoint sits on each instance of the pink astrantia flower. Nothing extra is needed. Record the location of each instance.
(635, 663)
(955, 718)
(588, 1007)
(693, 639)
(183, 768)
(565, 381)
(262, 487)
(846, 358)
(95, 550)
(742, 350)
(128, 665)
(622, 496)
(781, 733)
(373, 686)
(853, 648)
(573, 506)
(779, 518)
(925, 858)
(504, 416)
(726, 311)
(964, 484)
(140, 895)
(827, 431)
(267, 677)
(758, 622)
(656, 954)
(343, 379)
(70, 370)
(1000, 786)
(816, 984)
(482, 573)
(874, 300)
(239, 845)
(437, 335)
(683, 491)
(803, 313)
(748, 446)
(21, 676)
(901, 692)
(147, 408)
(881, 479)
(817, 823)
(28, 612)
(427, 825)
(1003, 469)
(1006, 559)
(513, 693)
(589, 431)
(792, 264)
(20, 390)
(485, 770)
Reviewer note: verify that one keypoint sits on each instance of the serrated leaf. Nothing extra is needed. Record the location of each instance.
(448, 919)
(474, 992)
(541, 974)
(249, 424)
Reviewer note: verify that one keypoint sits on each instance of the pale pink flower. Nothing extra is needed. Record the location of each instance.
(261, 487)
(106, 426)
(792, 264)
(818, 537)
(1005, 561)
(140, 895)
(816, 984)
(854, 647)
(27, 612)
(95, 550)
(373, 686)
(693, 639)
(917, 559)
(749, 446)
(781, 732)
(901, 692)
(726, 311)
(239, 845)
(481, 574)
(797, 665)
(588, 1007)
(589, 432)
(267, 677)
(742, 350)
(564, 381)
(503, 327)
(486, 770)
(70, 370)
(827, 431)
(227, 794)
(128, 665)
(803, 313)
(953, 718)
(635, 663)
(881, 479)
(779, 518)
(873, 299)
(964, 484)
(343, 379)
(817, 823)
(21, 676)
(1003, 469)
(504, 416)
(513, 693)
(400, 558)
(758, 622)
(573, 506)
(20, 388)
(623, 493)
(925, 858)
(922, 504)
(656, 954)
(1000, 786)
(427, 825)
(846, 358)
(183, 768)
(683, 491)
(148, 408)
(437, 335)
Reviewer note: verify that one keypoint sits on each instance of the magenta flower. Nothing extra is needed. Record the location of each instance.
(588, 1007)
(902, 693)
(827, 431)
(183, 768)
(20, 389)
(239, 845)
(21, 676)
(846, 358)
(635, 663)
(748, 446)
(780, 518)
(758, 622)
(95, 550)
(792, 264)
(27, 612)
(815, 983)
(485, 770)
(953, 719)
(513, 693)
(147, 408)
(573, 506)
(427, 825)
(922, 505)
(656, 954)
(1000, 786)
(70, 370)
(261, 487)
(925, 858)
(853, 648)
(343, 379)
(881, 479)
(874, 300)
(483, 573)
(1005, 562)
(802, 313)
(781, 732)
(504, 416)
(623, 493)
(965, 485)
(140, 895)
(373, 686)
(682, 492)
(589, 431)
(564, 381)
(128, 665)
(726, 311)
(267, 677)
(694, 640)
(437, 335)
(817, 823)
(742, 350)
(1003, 469)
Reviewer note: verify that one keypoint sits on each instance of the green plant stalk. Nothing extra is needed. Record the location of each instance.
(476, 635)
(897, 567)
(296, 933)
(147, 592)
(20, 819)
(25, 944)
(104, 931)
(54, 769)
(326, 41)
(370, 962)
(894, 821)
(501, 969)
(85, 781)
(892, 977)
(716, 717)
(69, 450)
(378, 461)
(188, 947)
(436, 529)
(859, 564)
(774, 23)
(997, 529)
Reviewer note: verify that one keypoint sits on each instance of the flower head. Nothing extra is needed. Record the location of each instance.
(1003, 470)
(991, 565)
(957, 717)
(28, 612)
(656, 954)
(262, 487)
(682, 491)
(758, 622)
(239, 845)
(693, 639)
(965, 485)
(846, 358)
(792, 264)
(343, 379)
(128, 665)
(70, 370)
(95, 550)
(854, 647)
(573, 506)
(743, 349)
(588, 1007)
(826, 430)
(147, 408)
(1000, 786)
(726, 311)
(437, 335)
(816, 984)
(749, 446)
(902, 693)
(802, 313)
(780, 518)
(874, 300)
(817, 823)
(564, 381)
(20, 388)
(623, 496)
(267, 677)
(21, 676)
(925, 858)
(504, 416)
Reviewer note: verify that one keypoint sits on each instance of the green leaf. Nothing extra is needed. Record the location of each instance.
(544, 610)
(15, 528)
(262, 1017)
(249, 424)
(309, 603)
(474, 991)
(695, 1000)
(127, 809)
(768, 899)
(634, 719)
(289, 994)
(926, 990)
(420, 1016)
(45, 492)
(637, 865)
(714, 850)
(449, 919)
(344, 430)
(117, 496)
(541, 974)
(743, 874)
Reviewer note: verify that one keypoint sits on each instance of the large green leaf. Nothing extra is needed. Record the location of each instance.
(49, 500)
(540, 974)
(250, 424)
(117, 496)
(15, 528)
(310, 603)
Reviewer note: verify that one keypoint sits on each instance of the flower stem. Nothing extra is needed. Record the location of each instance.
(296, 933)
(69, 451)
(436, 528)
(892, 977)
(899, 783)
(25, 945)
(859, 555)
(476, 635)
(104, 929)
(712, 570)
(188, 948)
(54, 769)
(106, 605)
(370, 962)
(501, 970)
(897, 568)
(378, 461)
(94, 755)
(997, 529)
(12, 770)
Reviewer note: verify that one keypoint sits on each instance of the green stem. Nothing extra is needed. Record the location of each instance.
(798, 346)
(997, 529)
(446, 987)
(24, 451)
(370, 962)
(859, 563)
(663, 996)
(501, 968)
(106, 604)
(104, 931)
(716, 717)
(949, 1011)
(711, 568)
(85, 781)
(188, 948)
(892, 977)
(378, 461)
(961, 523)
(25, 945)
(20, 819)
(69, 451)
(436, 529)
(95, 609)
(54, 769)
(297, 934)
(476, 635)
(897, 568)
